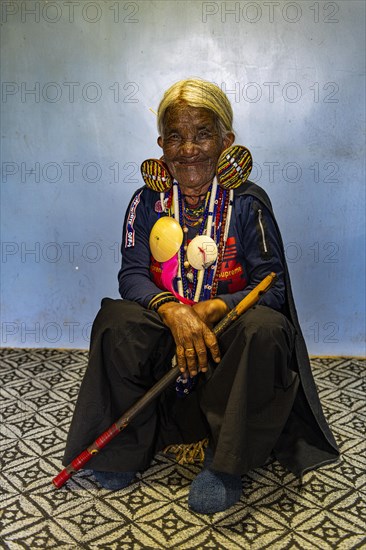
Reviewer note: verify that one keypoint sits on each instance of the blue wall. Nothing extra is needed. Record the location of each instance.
(79, 80)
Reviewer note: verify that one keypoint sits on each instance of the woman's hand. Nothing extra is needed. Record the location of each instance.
(191, 334)
(211, 311)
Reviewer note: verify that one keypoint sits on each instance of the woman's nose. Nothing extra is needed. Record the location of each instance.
(189, 147)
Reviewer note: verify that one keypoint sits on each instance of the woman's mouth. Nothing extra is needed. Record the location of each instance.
(190, 162)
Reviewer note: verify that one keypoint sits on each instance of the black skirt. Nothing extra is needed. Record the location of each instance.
(242, 404)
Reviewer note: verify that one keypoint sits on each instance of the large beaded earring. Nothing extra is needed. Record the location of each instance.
(234, 166)
(233, 169)
(156, 175)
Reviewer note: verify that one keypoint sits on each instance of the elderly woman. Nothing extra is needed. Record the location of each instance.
(250, 391)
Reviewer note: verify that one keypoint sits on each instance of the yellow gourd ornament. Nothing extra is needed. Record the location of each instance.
(165, 240)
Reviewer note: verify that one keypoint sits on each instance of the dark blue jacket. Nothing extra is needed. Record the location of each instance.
(252, 252)
(306, 441)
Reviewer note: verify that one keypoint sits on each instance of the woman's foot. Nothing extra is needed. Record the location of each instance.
(114, 480)
(214, 491)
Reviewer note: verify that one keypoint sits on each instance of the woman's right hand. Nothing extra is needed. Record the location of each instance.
(192, 337)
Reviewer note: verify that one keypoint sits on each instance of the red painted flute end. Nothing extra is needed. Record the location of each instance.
(61, 479)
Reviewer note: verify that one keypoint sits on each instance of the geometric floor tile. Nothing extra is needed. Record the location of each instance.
(38, 389)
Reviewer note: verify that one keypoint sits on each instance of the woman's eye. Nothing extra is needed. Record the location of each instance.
(174, 137)
(203, 134)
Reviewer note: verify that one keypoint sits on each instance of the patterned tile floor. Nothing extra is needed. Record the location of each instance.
(38, 389)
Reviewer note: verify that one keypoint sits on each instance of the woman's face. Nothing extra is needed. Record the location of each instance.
(192, 144)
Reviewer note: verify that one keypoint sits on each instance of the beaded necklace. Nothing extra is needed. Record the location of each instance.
(193, 216)
(213, 219)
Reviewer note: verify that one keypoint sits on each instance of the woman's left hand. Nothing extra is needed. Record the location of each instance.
(211, 311)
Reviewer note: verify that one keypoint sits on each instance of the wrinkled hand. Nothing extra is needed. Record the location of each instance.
(192, 336)
(211, 311)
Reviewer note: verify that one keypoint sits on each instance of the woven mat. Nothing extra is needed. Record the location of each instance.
(38, 391)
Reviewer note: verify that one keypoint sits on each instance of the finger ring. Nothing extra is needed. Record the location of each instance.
(189, 349)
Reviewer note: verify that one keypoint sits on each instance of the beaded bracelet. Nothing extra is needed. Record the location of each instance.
(160, 299)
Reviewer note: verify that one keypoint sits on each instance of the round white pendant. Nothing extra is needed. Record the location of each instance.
(201, 252)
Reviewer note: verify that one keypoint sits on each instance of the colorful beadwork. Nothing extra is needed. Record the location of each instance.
(234, 166)
(156, 175)
(194, 216)
(212, 217)
(202, 284)
(233, 169)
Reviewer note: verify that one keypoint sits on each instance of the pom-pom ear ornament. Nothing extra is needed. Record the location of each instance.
(156, 175)
(234, 166)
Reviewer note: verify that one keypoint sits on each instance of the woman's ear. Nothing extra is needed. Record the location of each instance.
(160, 141)
(229, 139)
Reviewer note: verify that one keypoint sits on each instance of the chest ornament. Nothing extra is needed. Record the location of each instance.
(194, 266)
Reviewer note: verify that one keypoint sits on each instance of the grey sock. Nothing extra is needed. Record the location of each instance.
(114, 480)
(213, 491)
